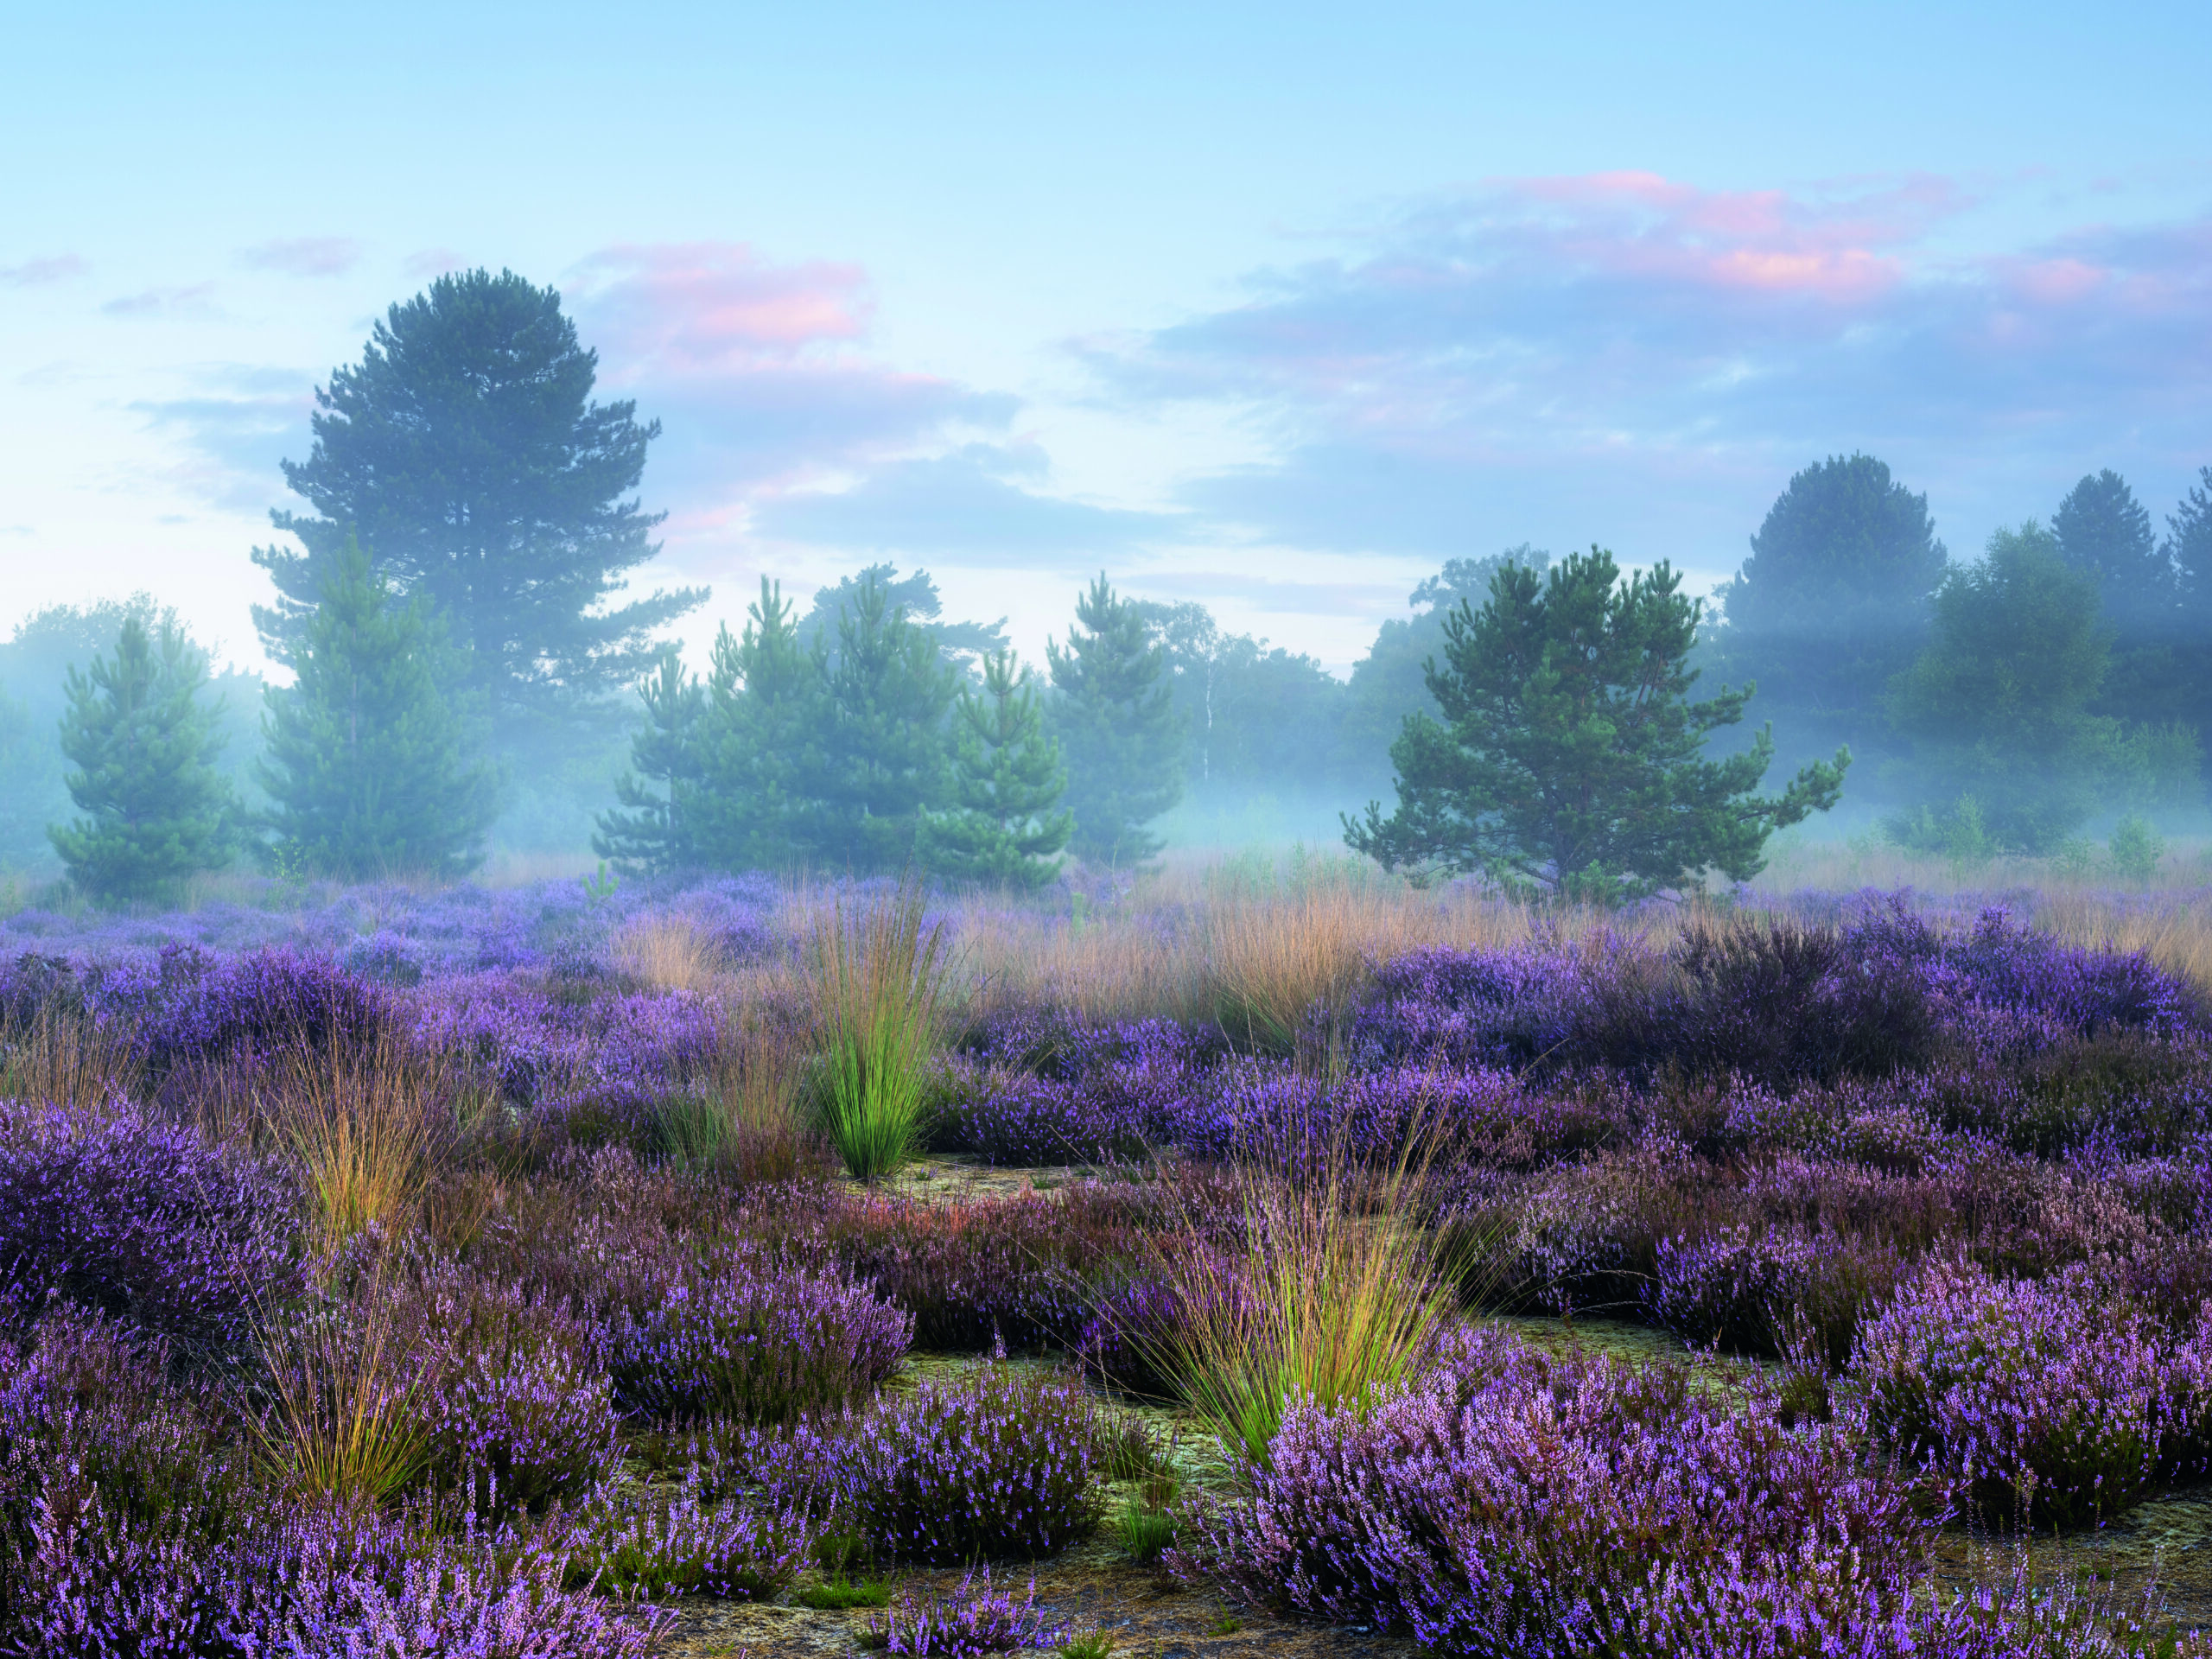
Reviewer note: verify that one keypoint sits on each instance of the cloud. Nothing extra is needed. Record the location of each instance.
(239, 423)
(37, 273)
(760, 374)
(431, 262)
(964, 505)
(305, 256)
(187, 302)
(1624, 354)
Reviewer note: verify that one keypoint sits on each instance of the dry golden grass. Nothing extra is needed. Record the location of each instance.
(361, 1121)
(63, 1060)
(668, 953)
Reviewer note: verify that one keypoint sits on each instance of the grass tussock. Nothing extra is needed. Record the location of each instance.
(745, 1118)
(338, 1419)
(1331, 1290)
(64, 1059)
(879, 979)
(362, 1122)
(667, 952)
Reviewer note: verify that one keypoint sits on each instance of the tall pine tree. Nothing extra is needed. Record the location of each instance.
(143, 745)
(1116, 719)
(467, 453)
(364, 760)
(1003, 829)
(760, 745)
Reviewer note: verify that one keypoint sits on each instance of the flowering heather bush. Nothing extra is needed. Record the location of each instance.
(259, 1004)
(514, 1402)
(2019, 1392)
(1743, 1286)
(972, 1618)
(650, 1546)
(995, 1465)
(739, 1335)
(118, 1210)
(1515, 1503)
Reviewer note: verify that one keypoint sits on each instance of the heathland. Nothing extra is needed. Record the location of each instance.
(1259, 1253)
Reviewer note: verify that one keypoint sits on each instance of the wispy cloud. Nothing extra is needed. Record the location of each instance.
(193, 300)
(37, 273)
(966, 503)
(431, 262)
(1626, 355)
(233, 429)
(304, 256)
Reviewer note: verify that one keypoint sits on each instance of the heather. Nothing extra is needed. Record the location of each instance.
(425, 1269)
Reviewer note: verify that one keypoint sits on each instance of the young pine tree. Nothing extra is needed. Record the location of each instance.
(759, 744)
(1116, 719)
(1008, 779)
(143, 746)
(880, 761)
(363, 758)
(651, 830)
(1570, 758)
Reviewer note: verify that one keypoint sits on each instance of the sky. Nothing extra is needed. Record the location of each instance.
(1274, 308)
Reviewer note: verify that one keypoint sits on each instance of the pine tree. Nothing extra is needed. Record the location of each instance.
(760, 745)
(650, 830)
(143, 746)
(881, 760)
(1007, 780)
(1570, 758)
(1115, 717)
(363, 752)
(465, 450)
(2103, 531)
(1832, 603)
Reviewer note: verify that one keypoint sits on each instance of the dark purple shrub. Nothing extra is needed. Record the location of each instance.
(118, 1209)
(2046, 1396)
(1748, 1287)
(995, 1465)
(260, 1005)
(737, 1336)
(1516, 1503)
(969, 1619)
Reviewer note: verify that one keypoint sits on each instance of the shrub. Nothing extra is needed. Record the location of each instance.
(739, 1337)
(2034, 1397)
(995, 1465)
(1743, 1286)
(653, 1547)
(515, 1408)
(116, 1210)
(971, 1618)
(1510, 1503)
(259, 1005)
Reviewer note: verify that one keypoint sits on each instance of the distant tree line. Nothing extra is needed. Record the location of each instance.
(456, 618)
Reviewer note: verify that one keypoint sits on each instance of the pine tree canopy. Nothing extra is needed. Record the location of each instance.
(143, 744)
(1115, 717)
(1569, 758)
(1003, 829)
(2103, 531)
(465, 451)
(364, 751)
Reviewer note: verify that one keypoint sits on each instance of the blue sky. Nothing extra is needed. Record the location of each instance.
(1275, 308)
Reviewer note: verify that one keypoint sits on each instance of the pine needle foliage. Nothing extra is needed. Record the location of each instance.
(143, 745)
(1006, 824)
(365, 754)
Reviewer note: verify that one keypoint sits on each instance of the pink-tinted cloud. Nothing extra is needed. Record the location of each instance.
(37, 273)
(760, 373)
(305, 256)
(1558, 339)
(431, 262)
